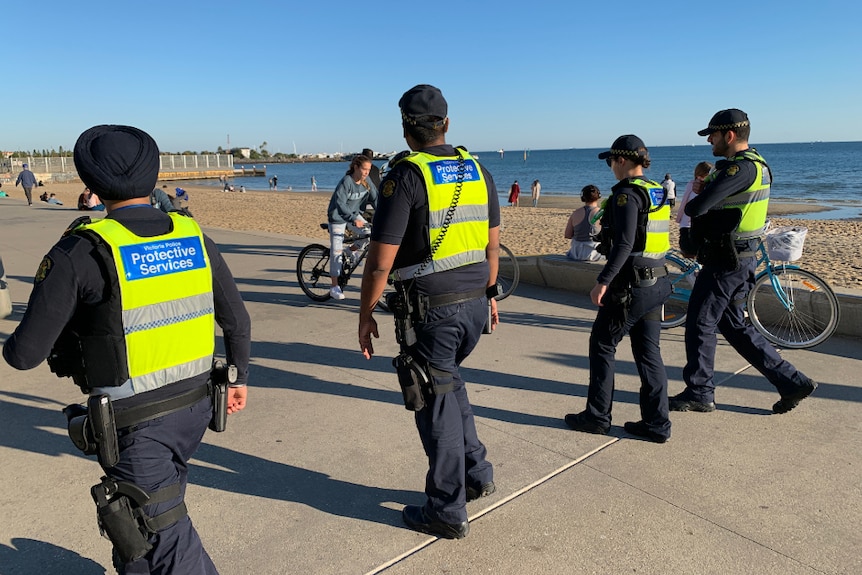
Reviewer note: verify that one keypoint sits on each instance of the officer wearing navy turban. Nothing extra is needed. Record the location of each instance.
(110, 303)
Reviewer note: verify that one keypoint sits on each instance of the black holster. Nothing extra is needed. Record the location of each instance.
(221, 376)
(719, 253)
(121, 521)
(120, 511)
(413, 381)
(620, 296)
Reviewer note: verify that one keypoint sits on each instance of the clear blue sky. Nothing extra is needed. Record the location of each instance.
(326, 76)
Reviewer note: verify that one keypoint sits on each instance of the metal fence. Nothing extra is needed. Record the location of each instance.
(62, 168)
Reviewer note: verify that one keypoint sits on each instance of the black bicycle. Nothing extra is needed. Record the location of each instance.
(312, 265)
(312, 268)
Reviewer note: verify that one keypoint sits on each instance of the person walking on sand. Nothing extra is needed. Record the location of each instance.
(669, 187)
(728, 217)
(313, 184)
(535, 191)
(27, 181)
(514, 193)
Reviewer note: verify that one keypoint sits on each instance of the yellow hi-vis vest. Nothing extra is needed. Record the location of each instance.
(466, 238)
(656, 243)
(168, 318)
(753, 201)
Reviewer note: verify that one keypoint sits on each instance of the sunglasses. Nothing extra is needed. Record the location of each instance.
(610, 160)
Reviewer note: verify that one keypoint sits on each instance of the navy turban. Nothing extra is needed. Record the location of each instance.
(117, 162)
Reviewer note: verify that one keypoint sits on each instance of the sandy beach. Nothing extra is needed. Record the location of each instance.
(832, 248)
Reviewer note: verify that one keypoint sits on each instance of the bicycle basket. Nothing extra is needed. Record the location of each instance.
(785, 243)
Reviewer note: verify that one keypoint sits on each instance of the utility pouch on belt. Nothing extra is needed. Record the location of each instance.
(221, 376)
(118, 520)
(412, 379)
(104, 428)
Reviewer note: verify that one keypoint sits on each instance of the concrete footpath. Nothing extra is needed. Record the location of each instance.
(312, 476)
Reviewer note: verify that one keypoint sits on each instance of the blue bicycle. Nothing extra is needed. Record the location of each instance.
(792, 308)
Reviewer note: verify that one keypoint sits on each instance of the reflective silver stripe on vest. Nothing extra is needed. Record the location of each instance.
(745, 198)
(456, 261)
(475, 213)
(654, 226)
(167, 313)
(156, 379)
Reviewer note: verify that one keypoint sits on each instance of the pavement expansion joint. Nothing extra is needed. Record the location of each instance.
(497, 504)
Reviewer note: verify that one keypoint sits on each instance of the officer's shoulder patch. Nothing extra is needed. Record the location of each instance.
(44, 268)
(622, 199)
(732, 170)
(388, 188)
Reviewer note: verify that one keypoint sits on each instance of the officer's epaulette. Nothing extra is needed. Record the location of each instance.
(82, 221)
(398, 157)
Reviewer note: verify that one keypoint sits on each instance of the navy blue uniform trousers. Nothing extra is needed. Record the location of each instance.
(154, 455)
(446, 427)
(717, 302)
(643, 326)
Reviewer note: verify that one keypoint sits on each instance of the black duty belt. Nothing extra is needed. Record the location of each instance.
(650, 273)
(140, 413)
(745, 248)
(439, 300)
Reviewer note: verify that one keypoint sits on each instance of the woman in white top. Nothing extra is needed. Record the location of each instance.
(581, 230)
(693, 188)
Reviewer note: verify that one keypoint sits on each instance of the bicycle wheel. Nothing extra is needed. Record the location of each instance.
(793, 308)
(508, 273)
(312, 271)
(681, 273)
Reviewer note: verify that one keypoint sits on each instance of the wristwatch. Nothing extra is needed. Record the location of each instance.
(493, 291)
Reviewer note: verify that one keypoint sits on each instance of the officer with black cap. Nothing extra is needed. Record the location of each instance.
(437, 226)
(728, 218)
(127, 306)
(630, 291)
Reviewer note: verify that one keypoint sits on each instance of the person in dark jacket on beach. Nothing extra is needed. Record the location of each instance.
(28, 182)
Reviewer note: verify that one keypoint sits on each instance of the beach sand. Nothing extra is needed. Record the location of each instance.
(833, 249)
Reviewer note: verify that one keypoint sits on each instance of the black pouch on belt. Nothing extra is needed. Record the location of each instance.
(412, 379)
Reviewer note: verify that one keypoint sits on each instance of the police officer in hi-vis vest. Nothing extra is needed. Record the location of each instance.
(630, 291)
(436, 230)
(127, 307)
(728, 217)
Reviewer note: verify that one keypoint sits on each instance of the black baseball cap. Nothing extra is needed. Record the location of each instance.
(725, 120)
(625, 146)
(421, 101)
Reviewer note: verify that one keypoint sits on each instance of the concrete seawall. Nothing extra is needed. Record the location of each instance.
(555, 271)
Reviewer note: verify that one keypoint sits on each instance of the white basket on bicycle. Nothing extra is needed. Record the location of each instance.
(785, 243)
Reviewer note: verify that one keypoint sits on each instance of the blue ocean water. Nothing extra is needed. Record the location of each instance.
(822, 173)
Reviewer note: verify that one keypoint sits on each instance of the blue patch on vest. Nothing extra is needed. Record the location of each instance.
(656, 195)
(162, 257)
(446, 171)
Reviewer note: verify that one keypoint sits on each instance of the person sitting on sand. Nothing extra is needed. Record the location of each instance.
(581, 230)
